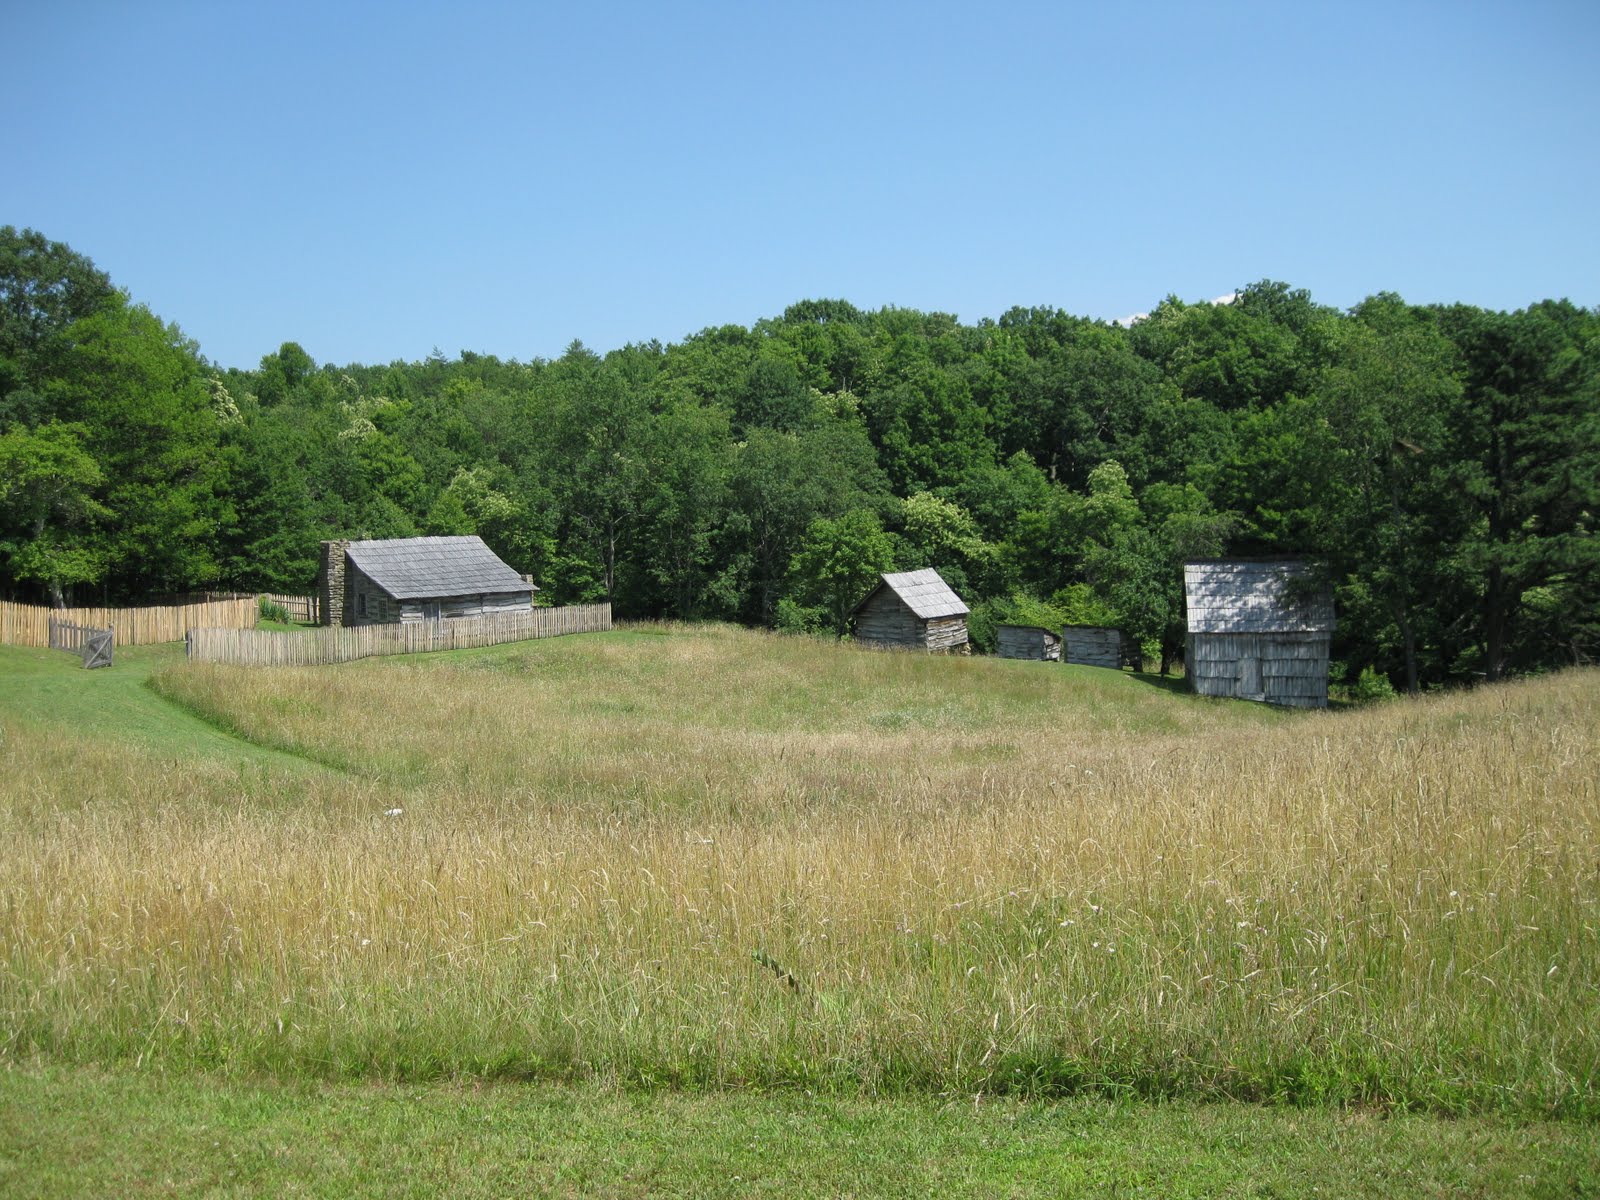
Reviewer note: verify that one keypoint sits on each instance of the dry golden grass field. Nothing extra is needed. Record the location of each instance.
(709, 857)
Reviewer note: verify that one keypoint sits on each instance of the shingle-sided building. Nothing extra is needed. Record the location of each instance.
(1259, 629)
(397, 580)
(912, 610)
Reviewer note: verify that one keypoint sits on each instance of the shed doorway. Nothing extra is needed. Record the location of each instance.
(1250, 677)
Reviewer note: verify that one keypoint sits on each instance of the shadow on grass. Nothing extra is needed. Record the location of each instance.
(1176, 684)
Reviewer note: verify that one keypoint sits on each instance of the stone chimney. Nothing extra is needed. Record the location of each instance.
(331, 583)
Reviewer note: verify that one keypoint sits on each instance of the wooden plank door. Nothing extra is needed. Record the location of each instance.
(1250, 675)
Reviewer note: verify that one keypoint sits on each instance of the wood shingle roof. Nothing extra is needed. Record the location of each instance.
(924, 592)
(1255, 596)
(426, 567)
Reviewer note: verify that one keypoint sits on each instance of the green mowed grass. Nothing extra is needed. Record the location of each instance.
(72, 1133)
(47, 693)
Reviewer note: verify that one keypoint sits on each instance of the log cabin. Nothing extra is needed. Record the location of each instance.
(912, 610)
(400, 580)
(1027, 641)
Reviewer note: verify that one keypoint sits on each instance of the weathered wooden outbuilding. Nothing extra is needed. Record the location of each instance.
(399, 580)
(1094, 646)
(912, 610)
(1027, 641)
(1258, 629)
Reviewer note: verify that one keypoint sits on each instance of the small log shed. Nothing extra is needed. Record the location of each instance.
(1027, 641)
(1259, 629)
(912, 610)
(1094, 646)
(400, 580)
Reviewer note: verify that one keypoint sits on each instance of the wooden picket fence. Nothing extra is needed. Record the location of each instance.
(318, 647)
(305, 609)
(29, 624)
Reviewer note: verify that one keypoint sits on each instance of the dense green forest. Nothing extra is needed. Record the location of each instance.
(1442, 462)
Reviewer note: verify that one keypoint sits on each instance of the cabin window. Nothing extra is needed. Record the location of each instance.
(361, 604)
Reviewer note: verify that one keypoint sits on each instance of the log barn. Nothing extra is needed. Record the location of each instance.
(1027, 641)
(1258, 629)
(912, 610)
(400, 580)
(1094, 646)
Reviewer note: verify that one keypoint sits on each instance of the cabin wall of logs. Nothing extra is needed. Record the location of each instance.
(884, 621)
(371, 605)
(1093, 646)
(1031, 642)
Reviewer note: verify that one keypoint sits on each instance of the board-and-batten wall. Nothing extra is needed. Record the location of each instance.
(885, 621)
(1280, 668)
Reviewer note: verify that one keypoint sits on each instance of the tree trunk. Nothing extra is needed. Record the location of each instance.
(1494, 624)
(1409, 639)
(1402, 608)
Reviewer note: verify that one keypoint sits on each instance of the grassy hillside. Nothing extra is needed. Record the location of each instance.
(711, 857)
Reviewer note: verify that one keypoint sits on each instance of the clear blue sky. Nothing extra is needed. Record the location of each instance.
(377, 180)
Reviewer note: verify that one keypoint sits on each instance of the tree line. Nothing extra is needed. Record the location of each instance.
(1440, 462)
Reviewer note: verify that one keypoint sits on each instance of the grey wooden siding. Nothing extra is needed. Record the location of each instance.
(1093, 646)
(1027, 641)
(365, 602)
(884, 621)
(1259, 629)
(1280, 668)
(369, 604)
(452, 608)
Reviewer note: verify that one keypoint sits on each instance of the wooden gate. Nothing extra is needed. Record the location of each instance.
(97, 648)
(91, 645)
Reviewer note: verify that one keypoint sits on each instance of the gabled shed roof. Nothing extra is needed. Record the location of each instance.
(1255, 596)
(425, 567)
(924, 592)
